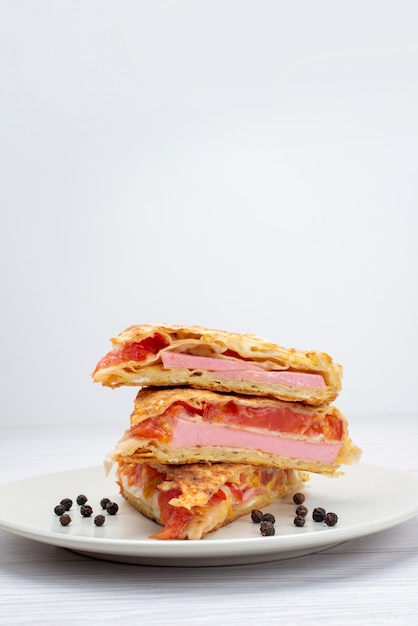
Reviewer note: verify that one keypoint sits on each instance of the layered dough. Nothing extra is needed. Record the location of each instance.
(223, 423)
(182, 426)
(159, 355)
(190, 501)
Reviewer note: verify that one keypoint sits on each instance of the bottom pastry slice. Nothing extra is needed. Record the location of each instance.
(190, 501)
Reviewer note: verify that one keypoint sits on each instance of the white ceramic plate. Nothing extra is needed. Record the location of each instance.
(367, 499)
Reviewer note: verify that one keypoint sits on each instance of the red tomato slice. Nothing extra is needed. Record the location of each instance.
(219, 496)
(274, 420)
(135, 351)
(174, 518)
(158, 428)
(280, 419)
(236, 491)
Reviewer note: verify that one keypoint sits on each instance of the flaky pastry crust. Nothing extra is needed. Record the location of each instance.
(199, 482)
(208, 342)
(151, 403)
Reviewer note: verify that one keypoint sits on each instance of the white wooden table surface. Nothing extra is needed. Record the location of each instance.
(372, 580)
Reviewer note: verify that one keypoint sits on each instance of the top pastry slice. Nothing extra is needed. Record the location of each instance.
(154, 355)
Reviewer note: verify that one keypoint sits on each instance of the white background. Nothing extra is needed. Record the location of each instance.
(248, 165)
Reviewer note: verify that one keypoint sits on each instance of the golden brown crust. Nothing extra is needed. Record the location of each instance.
(151, 403)
(140, 505)
(267, 354)
(349, 455)
(199, 482)
(156, 376)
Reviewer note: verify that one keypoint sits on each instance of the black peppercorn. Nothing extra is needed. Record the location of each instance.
(59, 509)
(99, 520)
(86, 510)
(104, 502)
(65, 519)
(81, 499)
(112, 508)
(299, 520)
(331, 519)
(267, 529)
(301, 510)
(256, 516)
(67, 503)
(269, 517)
(318, 514)
(298, 498)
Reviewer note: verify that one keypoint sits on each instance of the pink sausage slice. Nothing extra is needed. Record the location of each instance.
(189, 434)
(193, 362)
(244, 370)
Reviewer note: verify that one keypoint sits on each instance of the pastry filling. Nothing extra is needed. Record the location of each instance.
(241, 370)
(278, 430)
(227, 365)
(140, 351)
(162, 494)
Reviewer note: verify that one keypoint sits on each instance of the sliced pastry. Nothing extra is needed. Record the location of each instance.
(183, 425)
(175, 355)
(190, 501)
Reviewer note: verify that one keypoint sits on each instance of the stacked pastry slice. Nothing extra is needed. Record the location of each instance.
(223, 423)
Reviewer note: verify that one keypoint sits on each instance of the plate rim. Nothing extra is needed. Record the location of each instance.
(210, 548)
